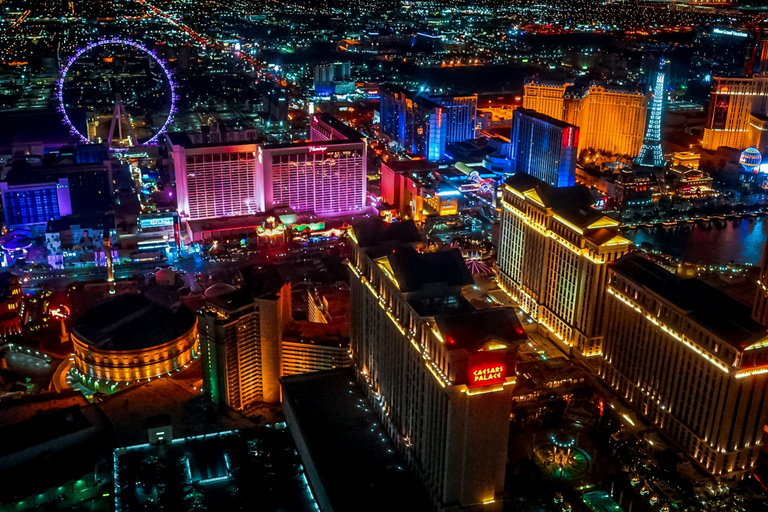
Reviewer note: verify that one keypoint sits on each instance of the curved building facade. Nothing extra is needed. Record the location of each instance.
(130, 338)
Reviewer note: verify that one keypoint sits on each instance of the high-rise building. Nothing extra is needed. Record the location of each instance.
(438, 372)
(651, 153)
(86, 170)
(415, 123)
(544, 147)
(690, 360)
(325, 176)
(760, 307)
(307, 351)
(610, 118)
(546, 97)
(33, 205)
(720, 51)
(240, 341)
(214, 180)
(461, 116)
(553, 253)
(335, 78)
(737, 111)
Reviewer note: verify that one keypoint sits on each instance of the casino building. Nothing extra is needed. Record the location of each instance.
(690, 360)
(737, 114)
(610, 118)
(130, 338)
(325, 176)
(439, 372)
(553, 253)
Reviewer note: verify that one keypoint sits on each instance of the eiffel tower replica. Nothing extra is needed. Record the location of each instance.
(651, 154)
(118, 114)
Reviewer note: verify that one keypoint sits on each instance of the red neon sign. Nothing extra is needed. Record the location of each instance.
(484, 375)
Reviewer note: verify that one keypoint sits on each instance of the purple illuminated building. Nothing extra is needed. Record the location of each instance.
(325, 176)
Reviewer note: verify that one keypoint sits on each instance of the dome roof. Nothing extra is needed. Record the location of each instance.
(131, 322)
(218, 289)
(165, 277)
(687, 270)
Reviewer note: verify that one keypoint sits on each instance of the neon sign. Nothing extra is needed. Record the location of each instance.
(729, 32)
(60, 313)
(488, 375)
(317, 149)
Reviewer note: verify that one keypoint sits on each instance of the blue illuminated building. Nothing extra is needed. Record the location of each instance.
(651, 154)
(461, 116)
(544, 147)
(33, 205)
(414, 123)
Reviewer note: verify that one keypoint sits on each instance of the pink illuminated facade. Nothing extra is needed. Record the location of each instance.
(325, 176)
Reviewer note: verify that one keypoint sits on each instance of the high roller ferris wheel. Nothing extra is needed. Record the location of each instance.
(119, 110)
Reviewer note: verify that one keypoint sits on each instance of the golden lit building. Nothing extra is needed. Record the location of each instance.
(546, 97)
(130, 338)
(760, 307)
(737, 114)
(438, 372)
(690, 360)
(610, 119)
(552, 258)
(11, 304)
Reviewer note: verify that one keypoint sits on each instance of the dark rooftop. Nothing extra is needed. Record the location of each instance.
(43, 427)
(411, 165)
(707, 306)
(415, 271)
(258, 283)
(183, 140)
(374, 231)
(131, 322)
(357, 463)
(340, 127)
(412, 95)
(19, 128)
(470, 331)
(8, 282)
(572, 203)
(542, 117)
(94, 221)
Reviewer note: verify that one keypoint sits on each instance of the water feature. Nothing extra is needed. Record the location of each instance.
(716, 243)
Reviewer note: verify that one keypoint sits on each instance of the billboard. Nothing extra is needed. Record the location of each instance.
(718, 114)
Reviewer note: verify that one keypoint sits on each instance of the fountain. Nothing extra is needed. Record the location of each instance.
(560, 457)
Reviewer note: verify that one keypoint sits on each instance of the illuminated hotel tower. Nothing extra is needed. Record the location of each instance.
(240, 342)
(553, 251)
(690, 360)
(651, 154)
(737, 114)
(546, 97)
(760, 307)
(439, 373)
(610, 118)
